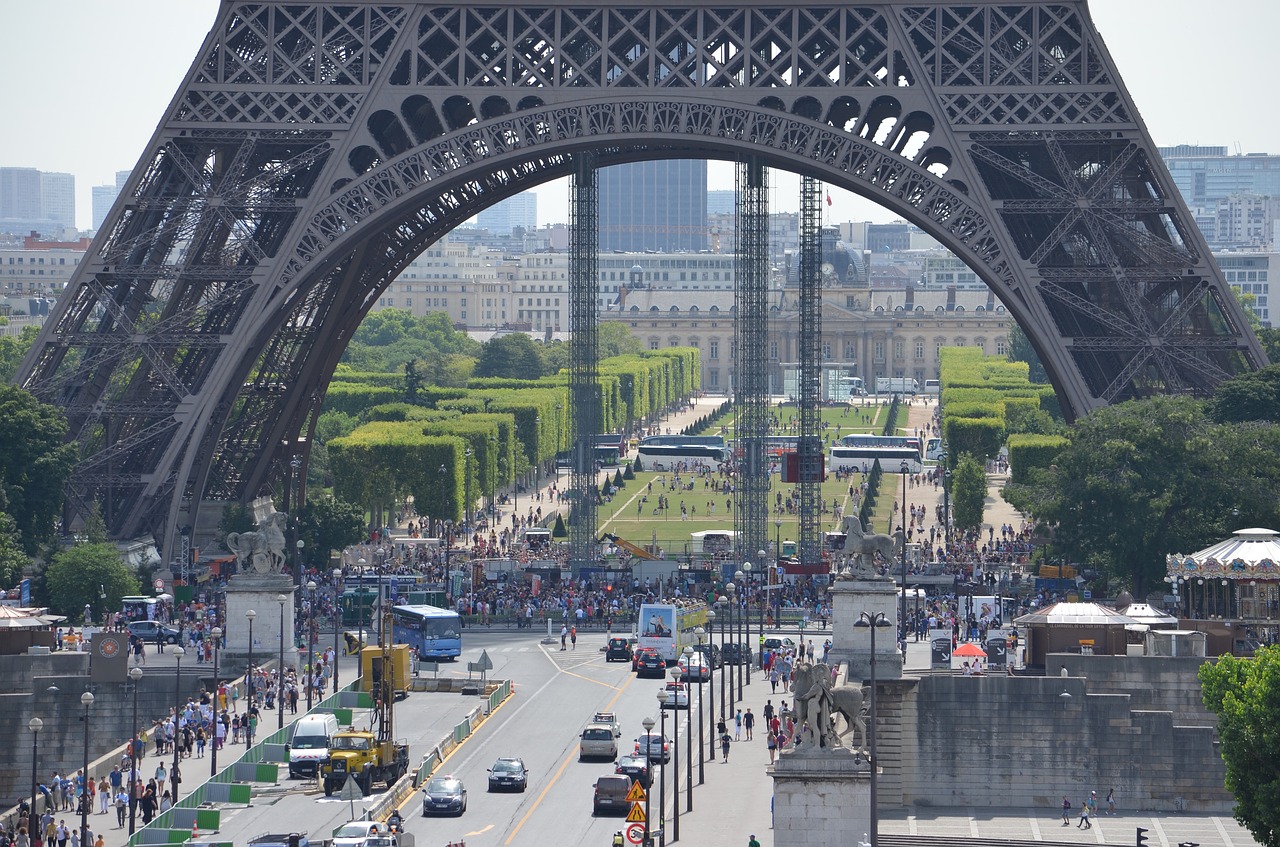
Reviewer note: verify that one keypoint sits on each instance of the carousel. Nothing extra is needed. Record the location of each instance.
(1236, 581)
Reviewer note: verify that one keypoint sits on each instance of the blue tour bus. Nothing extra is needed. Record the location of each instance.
(434, 632)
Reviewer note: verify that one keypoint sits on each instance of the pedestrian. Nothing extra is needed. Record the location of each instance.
(737, 726)
(724, 747)
(749, 721)
(122, 806)
(1111, 802)
(573, 637)
(564, 637)
(1084, 816)
(1092, 803)
(752, 842)
(773, 746)
(1066, 811)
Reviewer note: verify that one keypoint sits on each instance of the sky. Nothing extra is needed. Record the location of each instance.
(83, 84)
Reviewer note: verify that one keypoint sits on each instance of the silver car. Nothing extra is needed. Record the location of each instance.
(598, 742)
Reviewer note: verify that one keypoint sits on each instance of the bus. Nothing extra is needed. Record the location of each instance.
(861, 459)
(776, 445)
(665, 452)
(933, 450)
(868, 440)
(670, 627)
(434, 632)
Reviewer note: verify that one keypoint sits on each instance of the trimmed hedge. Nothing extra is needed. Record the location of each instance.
(1032, 451)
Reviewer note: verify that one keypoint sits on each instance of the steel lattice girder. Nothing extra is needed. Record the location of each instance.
(809, 449)
(751, 425)
(313, 150)
(584, 376)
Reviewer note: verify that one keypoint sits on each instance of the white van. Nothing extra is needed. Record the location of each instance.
(310, 744)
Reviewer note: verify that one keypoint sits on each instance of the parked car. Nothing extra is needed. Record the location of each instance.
(618, 649)
(677, 696)
(444, 795)
(737, 654)
(356, 833)
(611, 794)
(609, 719)
(649, 663)
(597, 742)
(508, 774)
(636, 767)
(694, 668)
(712, 652)
(654, 747)
(148, 630)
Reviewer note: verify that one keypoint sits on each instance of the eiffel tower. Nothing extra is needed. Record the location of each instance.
(314, 149)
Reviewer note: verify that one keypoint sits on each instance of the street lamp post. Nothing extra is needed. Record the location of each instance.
(360, 590)
(178, 653)
(466, 483)
(337, 622)
(723, 602)
(647, 723)
(764, 598)
(135, 674)
(281, 599)
(701, 635)
(737, 629)
(311, 642)
(746, 612)
(902, 588)
(873, 622)
(674, 702)
(216, 635)
(946, 499)
(35, 725)
(710, 635)
(86, 700)
(732, 591)
(662, 777)
(688, 744)
(248, 674)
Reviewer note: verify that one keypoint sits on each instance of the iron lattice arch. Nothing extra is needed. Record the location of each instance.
(313, 150)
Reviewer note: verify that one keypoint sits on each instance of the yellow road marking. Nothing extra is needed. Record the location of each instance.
(481, 831)
(560, 771)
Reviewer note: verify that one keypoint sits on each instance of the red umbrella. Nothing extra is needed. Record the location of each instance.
(969, 650)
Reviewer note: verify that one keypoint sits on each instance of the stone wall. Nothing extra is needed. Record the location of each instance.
(998, 741)
(1159, 683)
(25, 695)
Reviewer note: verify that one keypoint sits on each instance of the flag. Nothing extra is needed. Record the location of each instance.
(828, 198)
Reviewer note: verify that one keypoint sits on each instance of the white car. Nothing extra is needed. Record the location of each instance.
(608, 719)
(677, 696)
(598, 742)
(694, 668)
(357, 833)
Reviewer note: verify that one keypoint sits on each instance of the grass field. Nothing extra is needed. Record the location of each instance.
(630, 516)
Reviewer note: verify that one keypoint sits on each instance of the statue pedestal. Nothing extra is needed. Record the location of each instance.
(821, 798)
(852, 644)
(261, 593)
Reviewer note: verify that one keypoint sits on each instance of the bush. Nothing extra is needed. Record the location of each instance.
(559, 531)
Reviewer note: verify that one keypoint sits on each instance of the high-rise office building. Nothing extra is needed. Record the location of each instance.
(654, 206)
(103, 197)
(519, 211)
(22, 202)
(722, 202)
(58, 198)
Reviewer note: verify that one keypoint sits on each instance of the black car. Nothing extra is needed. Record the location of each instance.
(508, 774)
(735, 654)
(618, 650)
(636, 767)
(649, 663)
(148, 630)
(444, 795)
(712, 652)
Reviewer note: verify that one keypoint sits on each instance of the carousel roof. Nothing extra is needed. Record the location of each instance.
(1148, 614)
(1075, 613)
(1247, 554)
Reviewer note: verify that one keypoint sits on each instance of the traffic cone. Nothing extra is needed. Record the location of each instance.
(195, 832)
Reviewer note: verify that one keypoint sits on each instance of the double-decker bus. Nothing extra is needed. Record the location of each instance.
(670, 627)
(861, 459)
(664, 452)
(434, 632)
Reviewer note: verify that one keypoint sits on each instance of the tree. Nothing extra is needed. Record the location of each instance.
(513, 356)
(77, 576)
(34, 463)
(412, 381)
(968, 492)
(236, 517)
(559, 530)
(1251, 396)
(1020, 350)
(13, 349)
(615, 339)
(1146, 478)
(13, 561)
(329, 524)
(1243, 693)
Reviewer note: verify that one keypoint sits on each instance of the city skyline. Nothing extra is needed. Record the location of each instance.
(1159, 46)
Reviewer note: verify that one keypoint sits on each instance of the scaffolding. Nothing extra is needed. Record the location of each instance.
(584, 377)
(809, 446)
(751, 422)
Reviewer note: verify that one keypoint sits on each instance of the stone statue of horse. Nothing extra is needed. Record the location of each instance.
(848, 702)
(863, 547)
(262, 551)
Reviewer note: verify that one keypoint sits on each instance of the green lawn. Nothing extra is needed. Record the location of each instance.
(633, 519)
